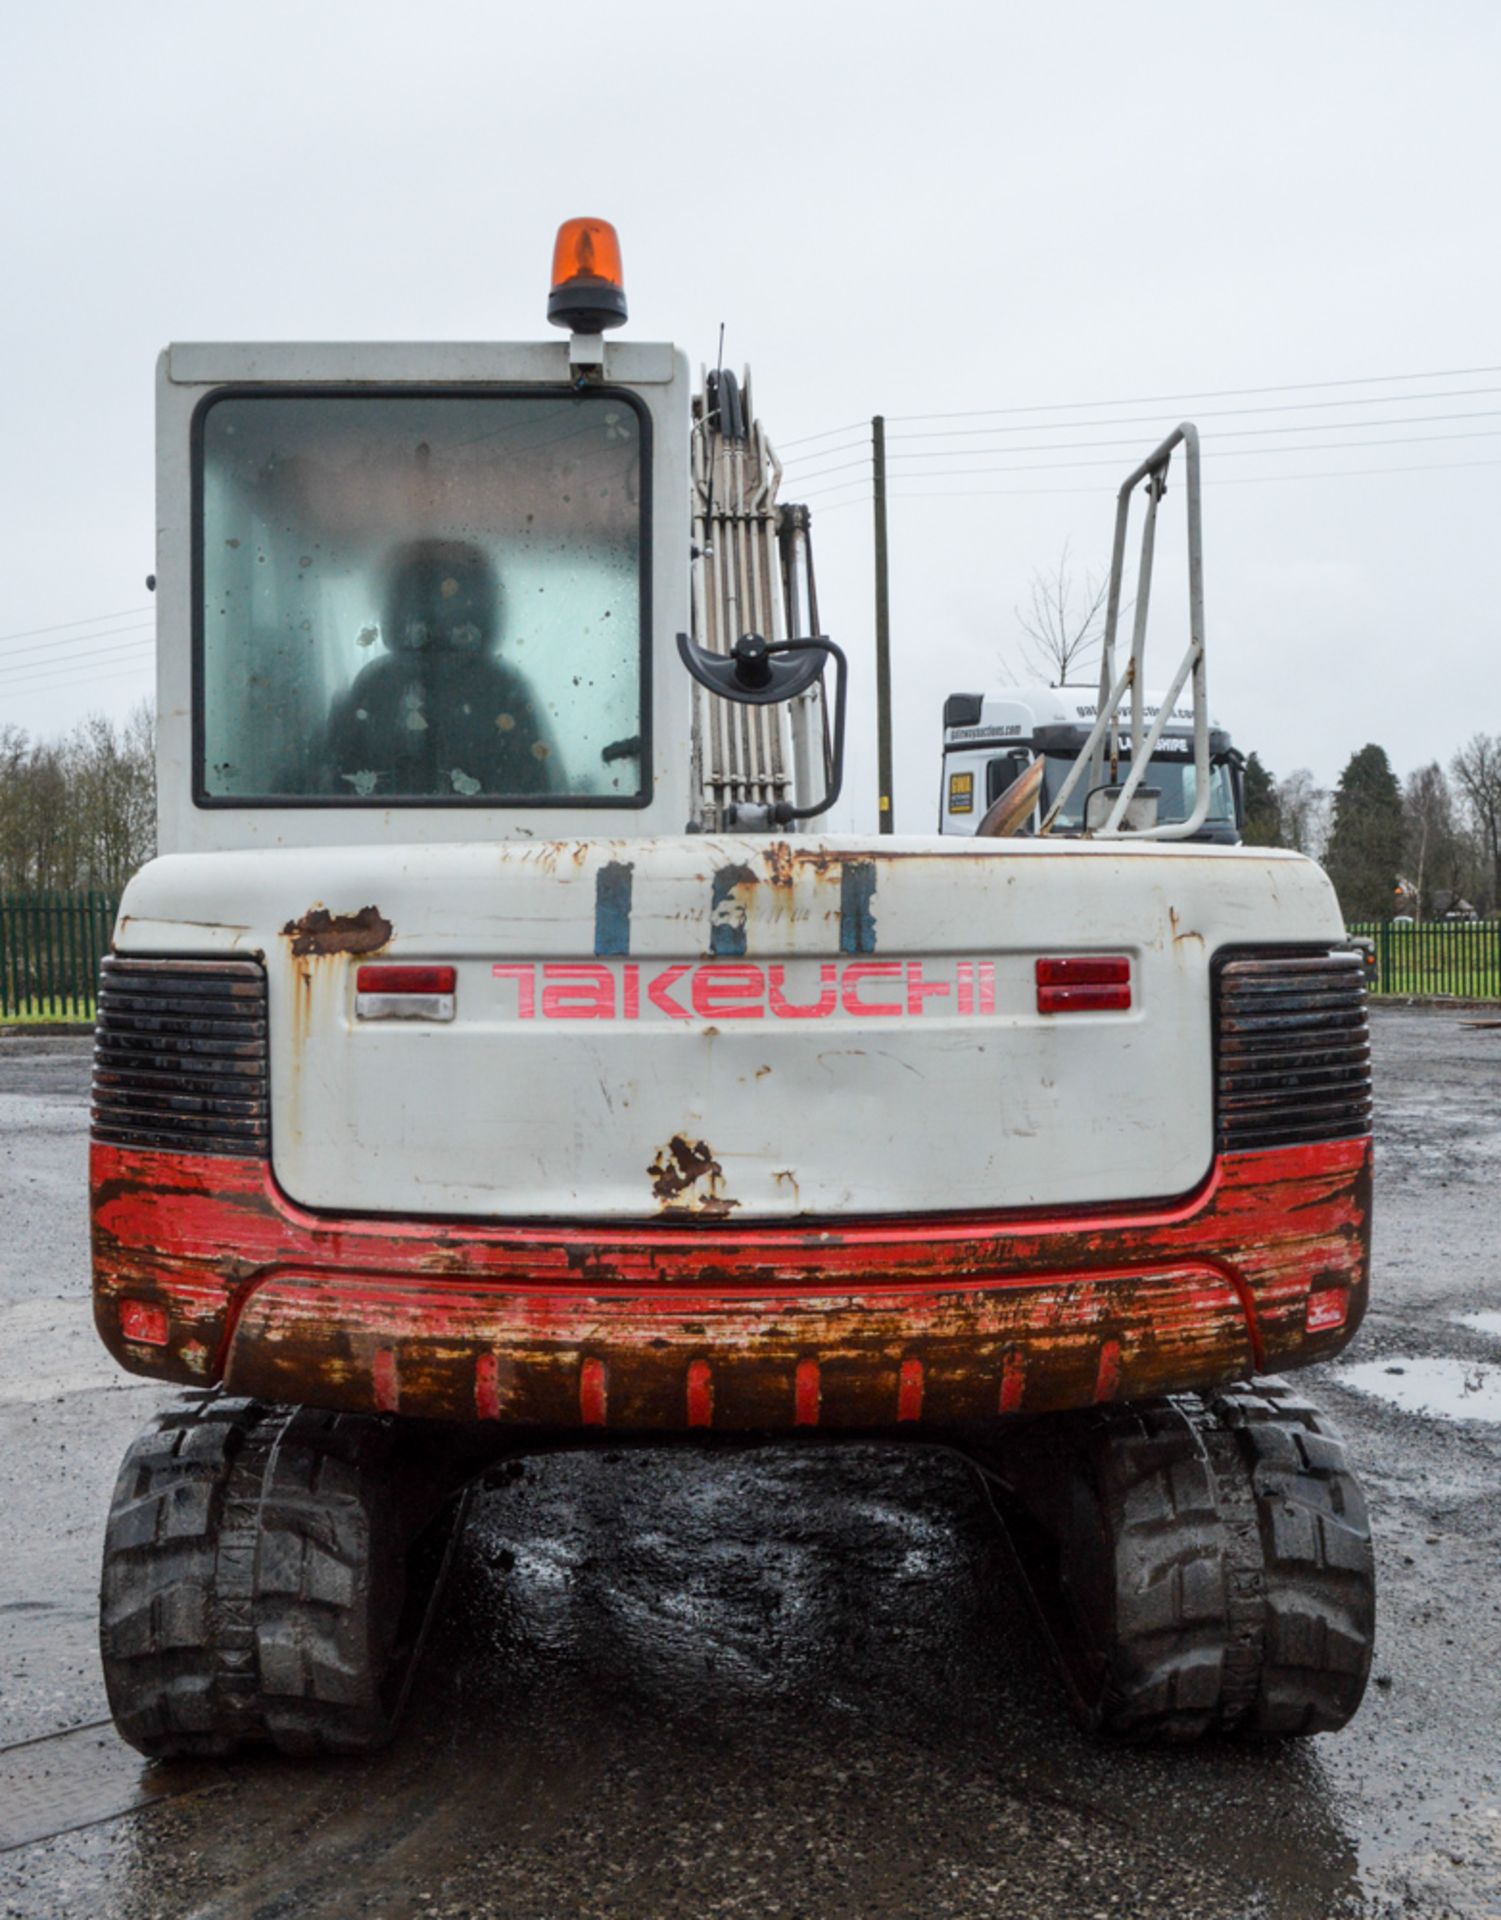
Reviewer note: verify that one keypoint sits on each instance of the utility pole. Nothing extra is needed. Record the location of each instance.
(887, 811)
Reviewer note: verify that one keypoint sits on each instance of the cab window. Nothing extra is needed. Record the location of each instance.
(1002, 772)
(432, 599)
(1172, 774)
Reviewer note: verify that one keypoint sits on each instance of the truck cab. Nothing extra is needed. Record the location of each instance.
(990, 739)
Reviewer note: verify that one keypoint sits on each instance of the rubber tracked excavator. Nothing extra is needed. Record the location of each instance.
(502, 1055)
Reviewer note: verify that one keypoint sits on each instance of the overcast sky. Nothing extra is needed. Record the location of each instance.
(926, 209)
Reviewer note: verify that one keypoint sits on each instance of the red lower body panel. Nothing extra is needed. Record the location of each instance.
(204, 1271)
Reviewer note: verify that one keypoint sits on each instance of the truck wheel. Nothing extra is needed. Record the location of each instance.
(269, 1575)
(1200, 1567)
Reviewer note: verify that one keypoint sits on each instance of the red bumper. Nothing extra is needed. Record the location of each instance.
(204, 1271)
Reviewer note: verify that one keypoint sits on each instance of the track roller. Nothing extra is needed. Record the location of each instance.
(269, 1576)
(1199, 1565)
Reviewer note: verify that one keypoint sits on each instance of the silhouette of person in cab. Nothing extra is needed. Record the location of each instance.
(437, 714)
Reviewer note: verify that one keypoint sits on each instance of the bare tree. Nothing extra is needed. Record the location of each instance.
(1477, 774)
(112, 798)
(79, 812)
(1432, 846)
(1306, 811)
(1061, 624)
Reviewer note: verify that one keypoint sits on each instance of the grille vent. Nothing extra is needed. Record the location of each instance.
(1292, 1052)
(180, 1056)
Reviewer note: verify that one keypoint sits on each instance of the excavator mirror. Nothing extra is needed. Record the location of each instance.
(757, 672)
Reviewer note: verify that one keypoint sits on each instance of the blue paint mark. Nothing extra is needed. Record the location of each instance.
(612, 908)
(857, 920)
(727, 922)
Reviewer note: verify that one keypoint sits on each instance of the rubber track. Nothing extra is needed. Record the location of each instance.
(1320, 1606)
(1162, 1625)
(1213, 1565)
(252, 1583)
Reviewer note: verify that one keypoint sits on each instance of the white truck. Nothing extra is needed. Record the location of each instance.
(500, 1056)
(991, 739)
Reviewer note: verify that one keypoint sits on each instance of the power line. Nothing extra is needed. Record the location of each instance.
(827, 434)
(1210, 453)
(67, 680)
(1217, 393)
(1225, 480)
(124, 613)
(8, 669)
(59, 648)
(860, 500)
(847, 446)
(1349, 473)
(1227, 433)
(1224, 413)
(1224, 433)
(1163, 399)
(1155, 420)
(9, 675)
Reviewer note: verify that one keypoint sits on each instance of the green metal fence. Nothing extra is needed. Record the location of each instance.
(1458, 958)
(50, 947)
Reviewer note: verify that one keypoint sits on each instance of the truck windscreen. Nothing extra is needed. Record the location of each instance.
(421, 598)
(1173, 776)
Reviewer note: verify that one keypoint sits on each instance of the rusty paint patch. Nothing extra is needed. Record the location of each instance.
(779, 864)
(1182, 933)
(678, 1169)
(322, 932)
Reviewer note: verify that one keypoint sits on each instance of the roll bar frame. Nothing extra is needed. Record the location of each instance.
(1152, 473)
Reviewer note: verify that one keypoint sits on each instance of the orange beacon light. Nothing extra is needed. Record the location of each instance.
(588, 287)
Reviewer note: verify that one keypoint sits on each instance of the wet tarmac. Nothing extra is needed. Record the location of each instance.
(786, 1683)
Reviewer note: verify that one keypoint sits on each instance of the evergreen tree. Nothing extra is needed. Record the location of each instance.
(1263, 807)
(1365, 846)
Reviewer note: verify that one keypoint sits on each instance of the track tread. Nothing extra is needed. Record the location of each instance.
(1160, 1652)
(1213, 1564)
(253, 1582)
(1316, 1539)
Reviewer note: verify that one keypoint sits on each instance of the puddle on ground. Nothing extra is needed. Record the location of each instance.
(1447, 1389)
(83, 1776)
(1481, 1322)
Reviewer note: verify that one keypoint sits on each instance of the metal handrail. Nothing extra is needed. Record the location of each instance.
(1114, 687)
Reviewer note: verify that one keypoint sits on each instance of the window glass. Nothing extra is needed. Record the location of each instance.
(421, 597)
(1174, 776)
(1002, 772)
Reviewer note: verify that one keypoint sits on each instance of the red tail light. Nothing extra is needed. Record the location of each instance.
(1084, 984)
(404, 993)
(404, 980)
